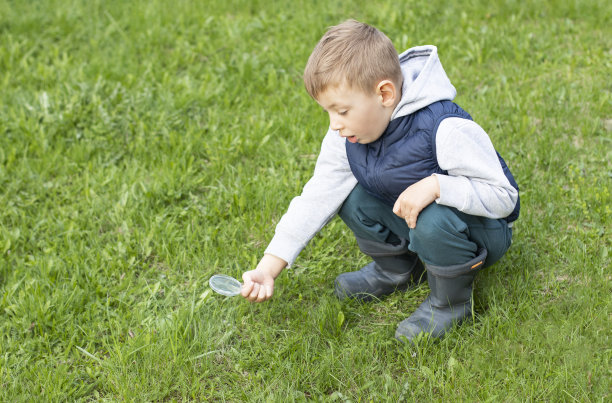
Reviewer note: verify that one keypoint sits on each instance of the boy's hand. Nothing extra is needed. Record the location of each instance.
(414, 199)
(259, 283)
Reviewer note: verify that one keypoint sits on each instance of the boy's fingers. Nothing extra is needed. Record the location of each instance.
(413, 218)
(396, 207)
(407, 216)
(262, 294)
(254, 292)
(247, 287)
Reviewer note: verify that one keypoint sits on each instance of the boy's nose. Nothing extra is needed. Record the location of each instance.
(335, 125)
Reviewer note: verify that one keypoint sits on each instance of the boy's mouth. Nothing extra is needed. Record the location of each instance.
(352, 139)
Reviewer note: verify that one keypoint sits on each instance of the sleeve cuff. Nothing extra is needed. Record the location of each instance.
(285, 247)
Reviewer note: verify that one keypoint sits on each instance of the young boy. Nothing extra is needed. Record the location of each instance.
(417, 181)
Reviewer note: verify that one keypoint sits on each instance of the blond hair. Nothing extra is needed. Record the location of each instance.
(355, 54)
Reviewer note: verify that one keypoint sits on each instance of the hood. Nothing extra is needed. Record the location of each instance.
(425, 81)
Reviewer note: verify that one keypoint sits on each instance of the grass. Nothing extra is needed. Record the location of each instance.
(147, 145)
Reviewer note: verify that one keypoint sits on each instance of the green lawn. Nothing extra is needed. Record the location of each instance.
(146, 145)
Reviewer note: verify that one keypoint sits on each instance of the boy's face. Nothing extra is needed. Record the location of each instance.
(360, 117)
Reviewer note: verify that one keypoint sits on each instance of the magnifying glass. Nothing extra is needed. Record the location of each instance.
(225, 285)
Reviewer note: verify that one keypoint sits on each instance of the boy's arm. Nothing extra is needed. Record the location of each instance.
(320, 200)
(475, 183)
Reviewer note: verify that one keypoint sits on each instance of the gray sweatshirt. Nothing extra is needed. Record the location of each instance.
(475, 183)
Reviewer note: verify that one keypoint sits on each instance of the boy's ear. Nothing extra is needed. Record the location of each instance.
(387, 92)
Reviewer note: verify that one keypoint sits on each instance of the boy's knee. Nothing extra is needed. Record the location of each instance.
(436, 222)
(349, 212)
(367, 217)
(354, 210)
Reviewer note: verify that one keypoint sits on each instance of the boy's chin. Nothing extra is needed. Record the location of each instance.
(352, 139)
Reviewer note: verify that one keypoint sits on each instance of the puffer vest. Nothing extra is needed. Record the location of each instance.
(406, 153)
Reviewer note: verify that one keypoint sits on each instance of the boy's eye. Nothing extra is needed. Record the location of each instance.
(342, 113)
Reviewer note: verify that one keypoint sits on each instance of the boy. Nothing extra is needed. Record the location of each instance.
(417, 181)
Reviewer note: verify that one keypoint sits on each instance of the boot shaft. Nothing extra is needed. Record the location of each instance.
(448, 292)
(452, 285)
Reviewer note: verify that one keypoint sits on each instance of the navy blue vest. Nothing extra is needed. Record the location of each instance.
(406, 153)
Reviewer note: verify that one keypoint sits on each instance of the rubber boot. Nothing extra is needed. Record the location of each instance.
(394, 267)
(448, 304)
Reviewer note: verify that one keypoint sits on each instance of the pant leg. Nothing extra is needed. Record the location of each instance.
(370, 218)
(443, 235)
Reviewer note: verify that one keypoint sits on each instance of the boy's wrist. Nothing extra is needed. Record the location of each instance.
(272, 265)
(435, 186)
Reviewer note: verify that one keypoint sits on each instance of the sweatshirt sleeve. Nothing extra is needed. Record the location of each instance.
(320, 200)
(475, 183)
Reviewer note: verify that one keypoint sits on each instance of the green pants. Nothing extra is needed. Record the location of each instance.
(443, 235)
